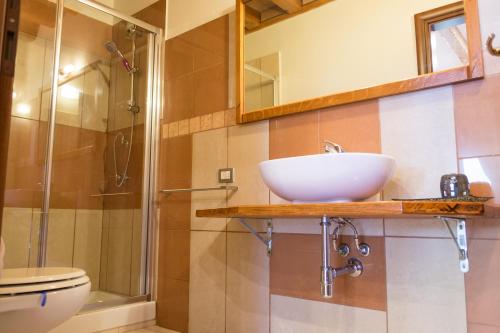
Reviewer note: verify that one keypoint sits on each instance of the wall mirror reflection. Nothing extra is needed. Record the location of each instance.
(287, 60)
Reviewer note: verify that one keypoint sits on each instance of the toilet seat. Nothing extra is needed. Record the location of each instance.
(17, 281)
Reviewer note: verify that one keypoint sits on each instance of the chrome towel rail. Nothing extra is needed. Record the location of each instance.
(218, 188)
(110, 194)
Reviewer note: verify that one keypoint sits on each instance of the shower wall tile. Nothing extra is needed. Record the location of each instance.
(210, 90)
(61, 237)
(95, 99)
(247, 294)
(489, 23)
(119, 255)
(174, 254)
(481, 283)
(207, 282)
(355, 126)
(16, 232)
(24, 168)
(425, 287)
(248, 145)
(87, 246)
(477, 116)
(209, 155)
(153, 14)
(297, 315)
(295, 271)
(103, 273)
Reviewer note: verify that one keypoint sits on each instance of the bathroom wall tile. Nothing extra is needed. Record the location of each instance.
(119, 251)
(294, 135)
(206, 122)
(210, 89)
(489, 23)
(164, 131)
(16, 232)
(181, 58)
(95, 94)
(477, 116)
(418, 130)
(418, 227)
(61, 233)
(173, 129)
(481, 283)
(87, 246)
(207, 282)
(172, 305)
(153, 14)
(425, 287)
(355, 126)
(34, 237)
(194, 125)
(479, 328)
(184, 127)
(297, 315)
(230, 117)
(174, 254)
(484, 176)
(247, 294)
(365, 227)
(209, 155)
(176, 171)
(104, 250)
(295, 271)
(218, 119)
(248, 145)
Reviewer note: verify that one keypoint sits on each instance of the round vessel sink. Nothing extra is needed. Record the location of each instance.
(340, 177)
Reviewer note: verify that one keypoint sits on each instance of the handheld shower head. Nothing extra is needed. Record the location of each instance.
(113, 49)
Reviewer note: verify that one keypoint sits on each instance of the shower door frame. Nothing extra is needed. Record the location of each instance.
(151, 142)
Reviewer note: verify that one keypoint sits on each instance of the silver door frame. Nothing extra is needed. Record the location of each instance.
(151, 141)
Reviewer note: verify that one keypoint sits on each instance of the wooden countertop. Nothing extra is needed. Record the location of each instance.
(376, 209)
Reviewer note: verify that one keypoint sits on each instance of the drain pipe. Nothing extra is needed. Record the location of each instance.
(354, 267)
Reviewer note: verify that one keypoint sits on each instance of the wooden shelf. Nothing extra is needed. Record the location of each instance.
(377, 209)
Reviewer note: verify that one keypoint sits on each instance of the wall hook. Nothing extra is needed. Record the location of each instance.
(489, 43)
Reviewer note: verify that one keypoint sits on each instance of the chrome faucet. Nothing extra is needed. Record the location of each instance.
(332, 147)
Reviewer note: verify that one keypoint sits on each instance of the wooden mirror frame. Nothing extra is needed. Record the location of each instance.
(474, 70)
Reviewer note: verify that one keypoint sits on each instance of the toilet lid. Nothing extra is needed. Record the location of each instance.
(29, 280)
(17, 276)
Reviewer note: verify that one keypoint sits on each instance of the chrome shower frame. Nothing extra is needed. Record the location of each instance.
(151, 142)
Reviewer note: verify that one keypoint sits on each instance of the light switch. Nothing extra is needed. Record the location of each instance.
(226, 175)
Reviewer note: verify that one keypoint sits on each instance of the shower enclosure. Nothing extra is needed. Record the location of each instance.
(81, 170)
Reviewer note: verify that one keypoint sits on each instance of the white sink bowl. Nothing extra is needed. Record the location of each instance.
(328, 177)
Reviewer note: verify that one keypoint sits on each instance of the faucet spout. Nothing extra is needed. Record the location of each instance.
(332, 147)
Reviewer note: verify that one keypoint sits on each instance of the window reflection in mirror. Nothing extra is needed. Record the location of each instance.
(329, 47)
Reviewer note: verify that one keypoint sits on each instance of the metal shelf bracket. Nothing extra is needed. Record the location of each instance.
(267, 240)
(460, 240)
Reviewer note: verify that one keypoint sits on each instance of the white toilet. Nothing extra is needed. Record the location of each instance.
(36, 300)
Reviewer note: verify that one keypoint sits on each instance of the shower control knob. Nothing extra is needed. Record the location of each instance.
(364, 249)
(344, 250)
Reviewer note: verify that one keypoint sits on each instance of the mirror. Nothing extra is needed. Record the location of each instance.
(299, 55)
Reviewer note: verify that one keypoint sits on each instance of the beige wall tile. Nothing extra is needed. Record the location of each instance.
(173, 129)
(230, 117)
(209, 155)
(16, 232)
(207, 282)
(104, 250)
(194, 125)
(164, 131)
(484, 176)
(248, 145)
(184, 127)
(60, 243)
(425, 287)
(479, 328)
(298, 315)
(218, 119)
(35, 235)
(87, 247)
(418, 130)
(119, 251)
(206, 122)
(247, 295)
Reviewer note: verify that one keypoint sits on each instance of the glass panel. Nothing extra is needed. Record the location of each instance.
(23, 194)
(95, 219)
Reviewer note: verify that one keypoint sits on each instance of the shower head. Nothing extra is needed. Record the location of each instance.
(113, 49)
